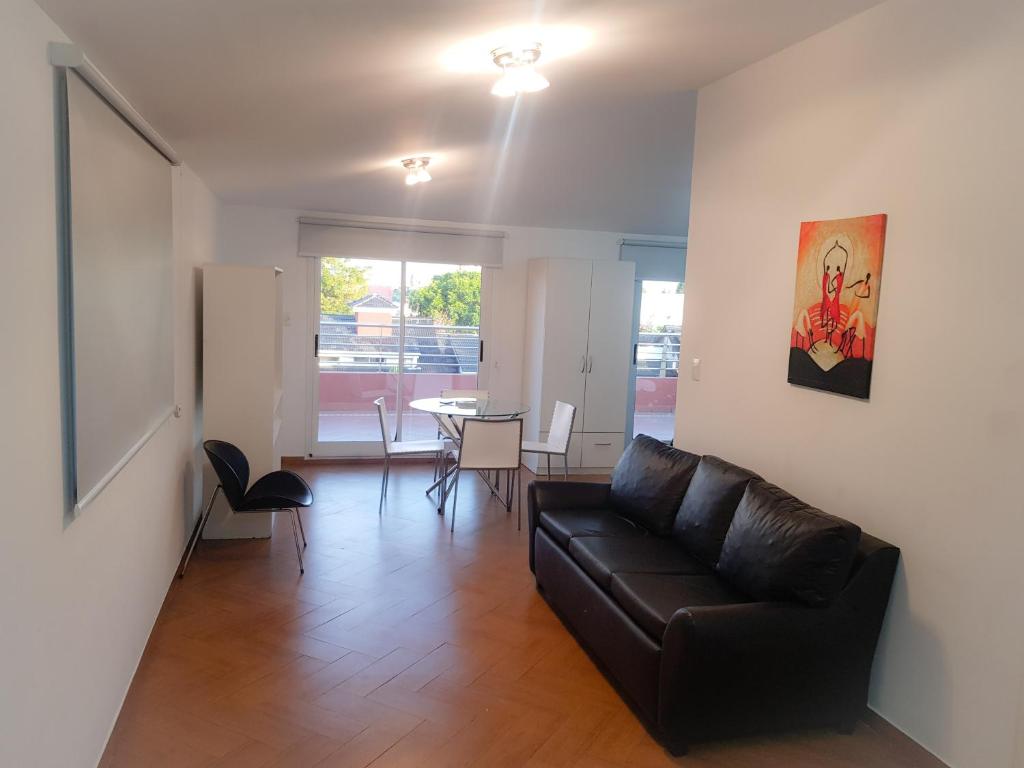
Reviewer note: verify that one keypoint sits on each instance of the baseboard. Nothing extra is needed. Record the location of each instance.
(907, 748)
(300, 460)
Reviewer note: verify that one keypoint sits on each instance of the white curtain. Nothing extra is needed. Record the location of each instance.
(656, 261)
(121, 291)
(357, 240)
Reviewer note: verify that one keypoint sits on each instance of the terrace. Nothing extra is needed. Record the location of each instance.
(359, 362)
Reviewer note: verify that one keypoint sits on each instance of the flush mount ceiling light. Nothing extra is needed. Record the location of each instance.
(475, 55)
(417, 170)
(518, 72)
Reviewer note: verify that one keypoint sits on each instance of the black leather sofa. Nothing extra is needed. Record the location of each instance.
(718, 604)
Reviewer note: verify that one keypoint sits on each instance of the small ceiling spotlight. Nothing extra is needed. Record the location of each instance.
(518, 73)
(417, 170)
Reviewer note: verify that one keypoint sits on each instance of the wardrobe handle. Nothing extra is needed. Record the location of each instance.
(635, 346)
(316, 345)
(583, 364)
(590, 366)
(481, 350)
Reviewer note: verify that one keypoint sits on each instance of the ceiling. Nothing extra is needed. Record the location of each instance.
(310, 103)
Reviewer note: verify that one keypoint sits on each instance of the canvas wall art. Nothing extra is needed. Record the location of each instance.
(835, 311)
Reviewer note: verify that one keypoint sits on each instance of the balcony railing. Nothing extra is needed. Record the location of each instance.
(657, 355)
(348, 346)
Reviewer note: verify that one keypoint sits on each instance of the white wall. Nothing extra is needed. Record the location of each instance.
(254, 235)
(78, 602)
(914, 109)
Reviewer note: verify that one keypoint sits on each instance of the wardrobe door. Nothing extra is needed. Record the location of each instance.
(608, 358)
(567, 309)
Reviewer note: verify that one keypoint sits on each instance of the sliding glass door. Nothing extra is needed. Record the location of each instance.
(400, 330)
(658, 324)
(441, 338)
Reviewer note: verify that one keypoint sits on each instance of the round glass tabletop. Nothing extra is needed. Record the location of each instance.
(470, 406)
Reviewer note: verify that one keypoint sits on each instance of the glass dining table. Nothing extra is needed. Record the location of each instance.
(470, 407)
(449, 412)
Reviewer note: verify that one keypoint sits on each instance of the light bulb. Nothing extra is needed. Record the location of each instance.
(517, 71)
(504, 87)
(416, 168)
(521, 78)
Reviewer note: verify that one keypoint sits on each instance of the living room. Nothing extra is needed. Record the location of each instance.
(385, 226)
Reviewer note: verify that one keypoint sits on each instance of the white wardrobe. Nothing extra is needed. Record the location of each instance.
(242, 391)
(579, 317)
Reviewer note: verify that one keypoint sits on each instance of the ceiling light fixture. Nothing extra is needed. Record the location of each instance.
(417, 170)
(518, 72)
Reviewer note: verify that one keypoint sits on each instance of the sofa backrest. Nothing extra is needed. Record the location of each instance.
(708, 507)
(649, 481)
(779, 548)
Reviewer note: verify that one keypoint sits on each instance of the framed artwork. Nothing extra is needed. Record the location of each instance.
(835, 308)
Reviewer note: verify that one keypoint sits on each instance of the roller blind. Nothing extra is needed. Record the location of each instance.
(656, 261)
(356, 240)
(119, 274)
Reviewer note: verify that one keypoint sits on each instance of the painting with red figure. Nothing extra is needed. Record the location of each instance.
(835, 310)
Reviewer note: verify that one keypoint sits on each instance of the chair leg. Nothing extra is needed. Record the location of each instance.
(455, 498)
(512, 479)
(301, 529)
(383, 485)
(519, 498)
(198, 533)
(295, 535)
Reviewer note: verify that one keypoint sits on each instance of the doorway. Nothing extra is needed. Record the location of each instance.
(400, 330)
(657, 327)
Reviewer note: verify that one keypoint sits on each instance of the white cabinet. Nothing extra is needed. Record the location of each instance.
(242, 389)
(579, 316)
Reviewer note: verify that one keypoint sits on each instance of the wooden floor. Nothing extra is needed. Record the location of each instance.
(402, 645)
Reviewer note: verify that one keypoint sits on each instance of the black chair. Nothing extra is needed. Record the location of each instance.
(274, 492)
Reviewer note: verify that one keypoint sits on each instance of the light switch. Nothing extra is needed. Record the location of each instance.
(695, 369)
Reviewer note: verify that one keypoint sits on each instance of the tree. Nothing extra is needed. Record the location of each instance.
(340, 285)
(449, 299)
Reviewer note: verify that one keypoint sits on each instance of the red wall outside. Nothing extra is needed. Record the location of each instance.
(343, 391)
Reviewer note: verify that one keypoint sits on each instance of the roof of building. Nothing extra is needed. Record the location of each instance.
(373, 301)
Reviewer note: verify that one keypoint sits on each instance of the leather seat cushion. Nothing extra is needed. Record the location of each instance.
(708, 506)
(649, 481)
(564, 524)
(601, 557)
(779, 548)
(651, 599)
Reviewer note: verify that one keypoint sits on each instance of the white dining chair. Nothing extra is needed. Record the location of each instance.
(559, 435)
(459, 394)
(491, 445)
(435, 448)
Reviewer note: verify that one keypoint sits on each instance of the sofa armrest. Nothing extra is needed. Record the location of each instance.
(561, 494)
(757, 666)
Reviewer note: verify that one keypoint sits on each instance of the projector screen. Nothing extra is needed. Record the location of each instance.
(119, 294)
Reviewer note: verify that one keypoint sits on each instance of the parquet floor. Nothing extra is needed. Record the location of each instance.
(401, 645)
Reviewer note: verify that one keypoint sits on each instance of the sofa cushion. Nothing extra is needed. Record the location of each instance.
(779, 548)
(708, 506)
(650, 599)
(564, 524)
(649, 481)
(601, 557)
